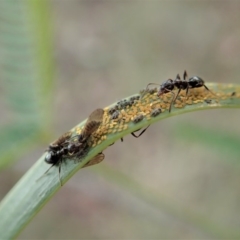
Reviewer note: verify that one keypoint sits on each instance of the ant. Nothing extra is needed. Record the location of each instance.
(178, 83)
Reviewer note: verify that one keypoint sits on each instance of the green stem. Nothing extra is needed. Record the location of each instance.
(28, 196)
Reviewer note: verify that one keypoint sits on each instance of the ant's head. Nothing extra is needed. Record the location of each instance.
(166, 87)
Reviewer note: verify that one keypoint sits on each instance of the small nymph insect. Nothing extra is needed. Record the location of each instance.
(115, 115)
(138, 118)
(155, 112)
(185, 84)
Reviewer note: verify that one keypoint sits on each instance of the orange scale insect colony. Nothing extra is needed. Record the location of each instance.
(148, 104)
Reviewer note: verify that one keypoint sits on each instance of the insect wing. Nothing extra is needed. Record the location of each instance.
(94, 121)
(95, 160)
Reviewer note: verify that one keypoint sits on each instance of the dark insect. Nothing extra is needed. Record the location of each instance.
(122, 104)
(65, 147)
(170, 85)
(113, 109)
(133, 100)
(115, 115)
(56, 151)
(152, 91)
(138, 118)
(125, 103)
(208, 101)
(80, 147)
(155, 112)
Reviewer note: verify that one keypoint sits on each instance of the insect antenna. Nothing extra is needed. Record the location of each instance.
(59, 171)
(147, 88)
(46, 173)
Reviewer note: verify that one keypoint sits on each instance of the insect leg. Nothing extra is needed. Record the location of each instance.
(59, 172)
(137, 136)
(170, 107)
(185, 75)
(173, 100)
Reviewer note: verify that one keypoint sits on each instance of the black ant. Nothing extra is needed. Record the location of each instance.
(178, 83)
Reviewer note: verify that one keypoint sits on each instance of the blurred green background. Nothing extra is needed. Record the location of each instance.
(61, 59)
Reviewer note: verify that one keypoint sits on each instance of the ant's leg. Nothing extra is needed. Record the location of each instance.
(114, 142)
(95, 160)
(143, 131)
(170, 107)
(178, 77)
(187, 93)
(59, 172)
(179, 90)
(185, 75)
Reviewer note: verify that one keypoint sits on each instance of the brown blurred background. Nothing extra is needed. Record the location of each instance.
(181, 178)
